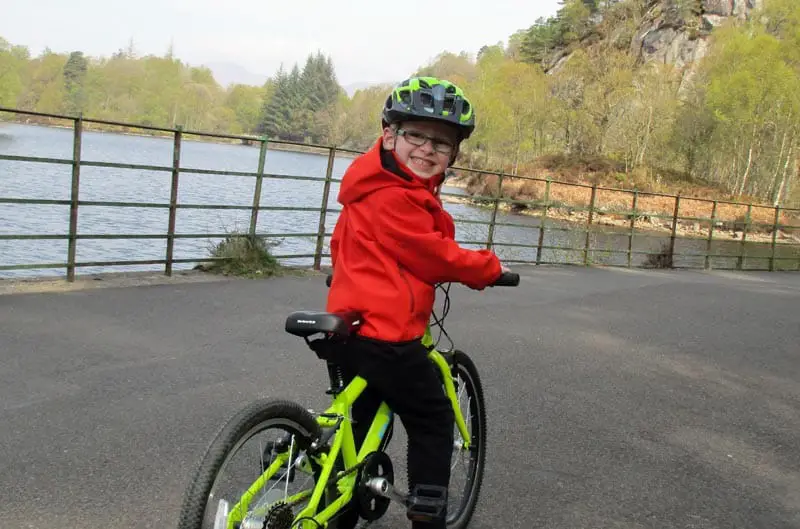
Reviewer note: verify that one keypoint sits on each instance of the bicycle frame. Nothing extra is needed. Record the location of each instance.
(338, 416)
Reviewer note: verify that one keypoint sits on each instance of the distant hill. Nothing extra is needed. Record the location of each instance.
(227, 73)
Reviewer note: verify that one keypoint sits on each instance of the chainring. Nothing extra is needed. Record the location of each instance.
(371, 505)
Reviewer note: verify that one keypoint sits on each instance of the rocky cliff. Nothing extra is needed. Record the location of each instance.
(678, 36)
(671, 31)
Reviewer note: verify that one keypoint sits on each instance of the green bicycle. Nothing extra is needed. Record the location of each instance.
(277, 465)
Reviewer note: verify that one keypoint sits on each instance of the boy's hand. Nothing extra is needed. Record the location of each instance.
(503, 268)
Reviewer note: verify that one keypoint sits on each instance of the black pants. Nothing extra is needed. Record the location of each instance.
(402, 375)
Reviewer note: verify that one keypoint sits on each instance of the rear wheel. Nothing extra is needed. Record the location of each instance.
(262, 433)
(467, 464)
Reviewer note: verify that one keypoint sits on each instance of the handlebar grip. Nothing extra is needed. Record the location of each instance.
(328, 280)
(507, 279)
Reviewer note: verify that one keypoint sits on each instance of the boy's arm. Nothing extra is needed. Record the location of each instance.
(406, 230)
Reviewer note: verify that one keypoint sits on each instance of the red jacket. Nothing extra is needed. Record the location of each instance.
(392, 243)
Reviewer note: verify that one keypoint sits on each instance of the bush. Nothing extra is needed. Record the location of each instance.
(663, 259)
(243, 254)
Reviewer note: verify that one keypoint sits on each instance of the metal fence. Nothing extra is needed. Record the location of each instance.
(778, 252)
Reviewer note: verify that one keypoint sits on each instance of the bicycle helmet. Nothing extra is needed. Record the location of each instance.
(429, 98)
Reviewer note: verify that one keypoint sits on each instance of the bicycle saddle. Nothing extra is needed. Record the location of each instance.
(305, 323)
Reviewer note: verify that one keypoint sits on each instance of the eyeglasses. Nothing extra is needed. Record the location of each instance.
(419, 139)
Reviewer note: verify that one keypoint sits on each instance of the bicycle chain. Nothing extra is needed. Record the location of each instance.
(331, 481)
(355, 468)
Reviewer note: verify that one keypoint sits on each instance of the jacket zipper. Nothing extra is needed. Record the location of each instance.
(410, 291)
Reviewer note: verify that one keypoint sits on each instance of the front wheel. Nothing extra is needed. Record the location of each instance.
(467, 464)
(251, 475)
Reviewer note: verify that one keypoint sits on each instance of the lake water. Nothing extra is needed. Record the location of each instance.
(50, 181)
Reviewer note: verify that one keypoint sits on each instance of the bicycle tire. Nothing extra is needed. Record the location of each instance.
(236, 430)
(463, 366)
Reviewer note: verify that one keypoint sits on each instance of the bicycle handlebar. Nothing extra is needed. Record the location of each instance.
(506, 279)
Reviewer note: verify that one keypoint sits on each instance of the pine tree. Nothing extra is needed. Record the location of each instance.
(74, 75)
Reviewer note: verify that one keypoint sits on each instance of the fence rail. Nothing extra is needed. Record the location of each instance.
(780, 255)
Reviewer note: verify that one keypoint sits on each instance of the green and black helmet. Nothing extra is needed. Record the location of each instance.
(429, 98)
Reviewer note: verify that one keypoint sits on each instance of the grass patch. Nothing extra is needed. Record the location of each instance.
(662, 259)
(243, 254)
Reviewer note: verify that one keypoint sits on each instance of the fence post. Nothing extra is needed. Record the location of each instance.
(326, 190)
(74, 194)
(774, 238)
(740, 261)
(674, 230)
(707, 264)
(542, 222)
(262, 156)
(589, 220)
(633, 228)
(173, 199)
(490, 238)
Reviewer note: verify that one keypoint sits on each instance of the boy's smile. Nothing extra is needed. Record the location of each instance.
(424, 147)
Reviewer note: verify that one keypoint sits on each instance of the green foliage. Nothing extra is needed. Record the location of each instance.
(12, 64)
(747, 107)
(457, 68)
(358, 120)
(244, 102)
(731, 121)
(734, 124)
(74, 77)
(661, 259)
(541, 39)
(165, 92)
(299, 108)
(243, 255)
(570, 24)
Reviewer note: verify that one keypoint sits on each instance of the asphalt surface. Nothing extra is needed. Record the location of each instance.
(617, 399)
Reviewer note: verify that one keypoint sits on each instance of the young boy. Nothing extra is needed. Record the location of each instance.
(392, 243)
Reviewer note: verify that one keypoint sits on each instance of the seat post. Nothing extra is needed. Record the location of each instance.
(336, 375)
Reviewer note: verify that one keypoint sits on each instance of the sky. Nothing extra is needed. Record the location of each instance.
(369, 41)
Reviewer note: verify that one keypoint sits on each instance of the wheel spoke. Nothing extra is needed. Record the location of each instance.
(232, 486)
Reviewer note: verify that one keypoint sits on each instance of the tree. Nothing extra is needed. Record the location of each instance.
(544, 36)
(300, 108)
(12, 64)
(74, 75)
(276, 112)
(244, 101)
(456, 68)
(358, 123)
(320, 93)
(749, 87)
(44, 87)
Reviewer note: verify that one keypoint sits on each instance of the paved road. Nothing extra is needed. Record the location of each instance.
(630, 399)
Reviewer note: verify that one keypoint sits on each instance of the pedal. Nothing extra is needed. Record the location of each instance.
(427, 503)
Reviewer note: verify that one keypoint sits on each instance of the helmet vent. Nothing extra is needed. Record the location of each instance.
(427, 101)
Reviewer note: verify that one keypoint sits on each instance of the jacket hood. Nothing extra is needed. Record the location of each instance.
(377, 169)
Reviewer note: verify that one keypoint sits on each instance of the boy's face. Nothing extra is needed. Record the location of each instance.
(424, 147)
